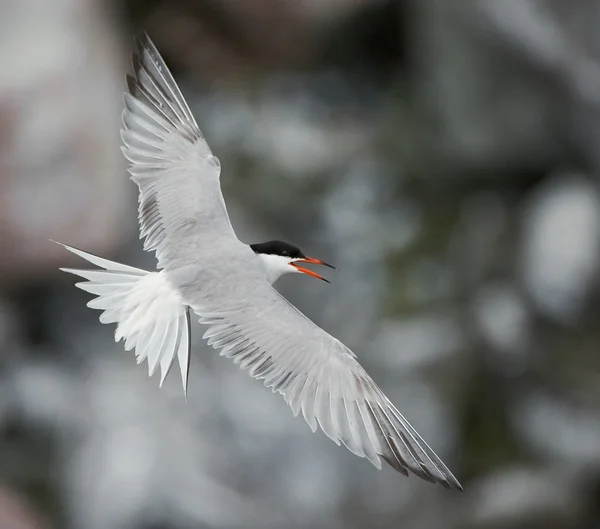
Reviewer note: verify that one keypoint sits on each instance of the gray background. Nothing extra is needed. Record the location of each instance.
(443, 154)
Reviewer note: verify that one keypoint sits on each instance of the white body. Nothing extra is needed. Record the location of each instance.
(207, 270)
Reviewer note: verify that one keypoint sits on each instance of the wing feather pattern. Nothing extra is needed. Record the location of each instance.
(148, 312)
(170, 161)
(319, 376)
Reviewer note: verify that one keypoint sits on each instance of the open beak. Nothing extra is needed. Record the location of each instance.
(311, 260)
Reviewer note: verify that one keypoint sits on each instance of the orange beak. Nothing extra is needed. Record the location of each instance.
(311, 260)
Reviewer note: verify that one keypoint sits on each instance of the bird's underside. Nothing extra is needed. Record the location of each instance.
(181, 209)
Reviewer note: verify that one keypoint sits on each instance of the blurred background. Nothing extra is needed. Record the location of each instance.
(444, 155)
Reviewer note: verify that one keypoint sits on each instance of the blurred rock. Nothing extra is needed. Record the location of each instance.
(61, 173)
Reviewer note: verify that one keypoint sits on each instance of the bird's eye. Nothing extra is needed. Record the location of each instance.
(285, 254)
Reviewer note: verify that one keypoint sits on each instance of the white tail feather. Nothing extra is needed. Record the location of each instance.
(148, 311)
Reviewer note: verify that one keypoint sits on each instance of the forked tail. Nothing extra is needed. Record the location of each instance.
(148, 311)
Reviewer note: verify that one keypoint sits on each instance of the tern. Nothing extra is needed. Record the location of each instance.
(205, 270)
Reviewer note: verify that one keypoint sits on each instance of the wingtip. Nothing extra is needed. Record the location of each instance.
(450, 482)
(457, 486)
(185, 390)
(143, 42)
(140, 41)
(66, 247)
(185, 386)
(140, 38)
(376, 462)
(445, 479)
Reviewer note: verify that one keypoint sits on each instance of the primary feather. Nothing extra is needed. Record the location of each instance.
(170, 161)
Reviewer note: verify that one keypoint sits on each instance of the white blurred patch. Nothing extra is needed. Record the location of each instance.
(559, 431)
(525, 496)
(418, 342)
(286, 135)
(561, 245)
(503, 321)
(282, 132)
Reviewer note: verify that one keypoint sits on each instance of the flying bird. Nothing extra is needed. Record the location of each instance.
(205, 270)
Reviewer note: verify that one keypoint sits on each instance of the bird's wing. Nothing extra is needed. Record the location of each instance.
(319, 375)
(178, 177)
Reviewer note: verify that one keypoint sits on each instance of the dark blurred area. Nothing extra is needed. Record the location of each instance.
(443, 155)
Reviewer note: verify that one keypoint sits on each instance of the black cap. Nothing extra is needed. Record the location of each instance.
(278, 248)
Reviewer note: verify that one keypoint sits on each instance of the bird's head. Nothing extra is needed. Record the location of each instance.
(282, 258)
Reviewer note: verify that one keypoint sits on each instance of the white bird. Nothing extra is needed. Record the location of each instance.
(205, 269)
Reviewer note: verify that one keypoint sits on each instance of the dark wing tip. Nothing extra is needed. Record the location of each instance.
(401, 446)
(144, 44)
(142, 41)
(448, 481)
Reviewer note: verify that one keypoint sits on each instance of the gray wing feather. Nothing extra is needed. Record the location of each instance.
(170, 161)
(319, 376)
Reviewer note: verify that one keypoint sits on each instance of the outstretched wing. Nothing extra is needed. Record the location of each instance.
(178, 177)
(318, 375)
